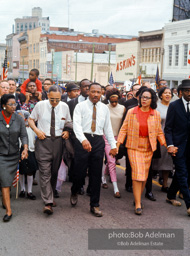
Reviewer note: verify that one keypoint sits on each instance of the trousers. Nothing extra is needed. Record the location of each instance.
(48, 155)
(93, 160)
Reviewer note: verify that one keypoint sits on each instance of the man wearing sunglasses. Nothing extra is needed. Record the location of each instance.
(51, 116)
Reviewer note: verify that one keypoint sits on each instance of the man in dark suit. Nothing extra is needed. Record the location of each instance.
(84, 91)
(177, 131)
(12, 90)
(72, 92)
(134, 100)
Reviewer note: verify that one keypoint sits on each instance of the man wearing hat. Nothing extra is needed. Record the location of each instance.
(72, 92)
(177, 133)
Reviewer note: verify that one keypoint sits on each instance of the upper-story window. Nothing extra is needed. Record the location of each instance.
(170, 55)
(176, 55)
(185, 54)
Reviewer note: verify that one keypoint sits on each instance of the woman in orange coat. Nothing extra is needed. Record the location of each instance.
(142, 126)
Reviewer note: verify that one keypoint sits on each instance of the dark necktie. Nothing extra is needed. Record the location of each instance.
(52, 128)
(93, 126)
(188, 107)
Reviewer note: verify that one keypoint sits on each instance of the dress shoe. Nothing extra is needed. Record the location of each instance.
(138, 211)
(73, 199)
(117, 195)
(188, 211)
(160, 180)
(35, 183)
(56, 194)
(96, 211)
(150, 196)
(48, 209)
(22, 194)
(173, 202)
(129, 189)
(31, 196)
(164, 189)
(7, 218)
(105, 186)
(81, 191)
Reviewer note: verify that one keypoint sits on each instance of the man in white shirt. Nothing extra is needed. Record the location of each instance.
(51, 116)
(91, 120)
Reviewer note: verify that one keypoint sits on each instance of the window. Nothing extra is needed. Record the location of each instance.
(30, 48)
(142, 55)
(34, 25)
(21, 27)
(34, 63)
(30, 26)
(185, 54)
(170, 55)
(26, 27)
(37, 63)
(37, 47)
(34, 48)
(30, 64)
(176, 55)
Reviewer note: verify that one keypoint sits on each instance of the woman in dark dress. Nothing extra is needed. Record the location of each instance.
(12, 128)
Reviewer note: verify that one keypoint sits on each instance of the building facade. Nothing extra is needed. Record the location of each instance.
(127, 61)
(31, 22)
(177, 52)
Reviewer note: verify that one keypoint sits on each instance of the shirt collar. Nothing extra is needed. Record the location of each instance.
(50, 106)
(91, 104)
(184, 101)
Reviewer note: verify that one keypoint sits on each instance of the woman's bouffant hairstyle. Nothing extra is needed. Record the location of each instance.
(162, 90)
(5, 98)
(111, 92)
(154, 98)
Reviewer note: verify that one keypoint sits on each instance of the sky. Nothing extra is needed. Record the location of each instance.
(124, 17)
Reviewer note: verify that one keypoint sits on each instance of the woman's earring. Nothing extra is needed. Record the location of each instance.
(4, 108)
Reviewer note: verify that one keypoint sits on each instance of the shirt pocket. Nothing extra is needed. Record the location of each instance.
(62, 124)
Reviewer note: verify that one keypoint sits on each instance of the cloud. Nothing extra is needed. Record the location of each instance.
(109, 16)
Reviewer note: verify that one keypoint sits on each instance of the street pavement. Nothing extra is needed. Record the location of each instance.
(31, 232)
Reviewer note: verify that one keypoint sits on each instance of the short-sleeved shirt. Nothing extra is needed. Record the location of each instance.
(42, 114)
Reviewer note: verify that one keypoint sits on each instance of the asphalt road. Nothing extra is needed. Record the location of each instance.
(31, 232)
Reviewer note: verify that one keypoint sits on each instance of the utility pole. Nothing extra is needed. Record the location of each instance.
(52, 52)
(76, 68)
(109, 59)
(92, 64)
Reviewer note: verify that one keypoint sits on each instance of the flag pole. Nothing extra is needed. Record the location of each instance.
(17, 190)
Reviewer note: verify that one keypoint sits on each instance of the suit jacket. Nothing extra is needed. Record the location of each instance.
(72, 104)
(177, 125)
(131, 102)
(130, 128)
(9, 137)
(64, 97)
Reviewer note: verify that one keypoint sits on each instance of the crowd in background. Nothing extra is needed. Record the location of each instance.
(71, 130)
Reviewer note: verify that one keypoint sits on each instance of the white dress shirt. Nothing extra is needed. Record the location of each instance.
(81, 98)
(42, 114)
(185, 103)
(82, 121)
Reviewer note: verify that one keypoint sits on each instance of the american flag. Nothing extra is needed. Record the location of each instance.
(16, 178)
(111, 81)
(5, 70)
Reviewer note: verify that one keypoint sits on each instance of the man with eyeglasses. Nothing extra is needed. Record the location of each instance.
(51, 116)
(48, 82)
